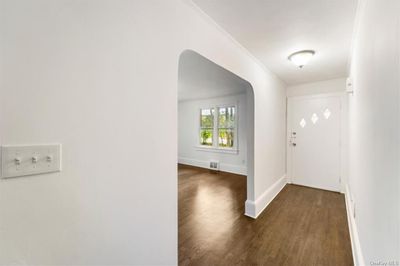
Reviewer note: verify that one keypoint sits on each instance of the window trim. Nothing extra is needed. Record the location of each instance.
(215, 147)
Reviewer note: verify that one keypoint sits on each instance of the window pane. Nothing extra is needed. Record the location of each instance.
(226, 137)
(206, 137)
(226, 117)
(207, 118)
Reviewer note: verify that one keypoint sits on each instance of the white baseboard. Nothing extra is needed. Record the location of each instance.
(255, 208)
(230, 168)
(355, 241)
(193, 162)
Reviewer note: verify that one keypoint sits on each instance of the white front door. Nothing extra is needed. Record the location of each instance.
(314, 141)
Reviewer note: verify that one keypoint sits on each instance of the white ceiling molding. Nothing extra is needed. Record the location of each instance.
(272, 30)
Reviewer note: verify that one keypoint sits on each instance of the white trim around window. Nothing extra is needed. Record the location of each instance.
(215, 147)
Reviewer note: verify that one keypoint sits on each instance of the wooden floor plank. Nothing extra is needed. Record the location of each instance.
(301, 226)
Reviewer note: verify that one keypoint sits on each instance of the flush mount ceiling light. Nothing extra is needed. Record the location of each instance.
(301, 58)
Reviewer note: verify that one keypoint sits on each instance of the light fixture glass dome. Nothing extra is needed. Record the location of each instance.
(301, 58)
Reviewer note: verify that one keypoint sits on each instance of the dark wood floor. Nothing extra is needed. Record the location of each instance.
(301, 226)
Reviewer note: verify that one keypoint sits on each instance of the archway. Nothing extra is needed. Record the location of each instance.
(205, 92)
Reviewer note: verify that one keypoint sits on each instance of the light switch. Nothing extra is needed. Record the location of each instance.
(24, 160)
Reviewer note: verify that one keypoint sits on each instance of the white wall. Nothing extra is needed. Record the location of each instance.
(374, 175)
(89, 74)
(200, 78)
(188, 135)
(320, 87)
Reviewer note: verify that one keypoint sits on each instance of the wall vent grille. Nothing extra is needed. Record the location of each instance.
(214, 165)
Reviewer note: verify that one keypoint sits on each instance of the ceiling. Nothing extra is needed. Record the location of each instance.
(200, 78)
(273, 29)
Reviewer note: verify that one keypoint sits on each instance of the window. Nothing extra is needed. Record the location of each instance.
(226, 126)
(218, 127)
(207, 126)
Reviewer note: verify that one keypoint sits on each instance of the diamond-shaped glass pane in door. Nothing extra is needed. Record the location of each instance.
(314, 118)
(303, 123)
(327, 113)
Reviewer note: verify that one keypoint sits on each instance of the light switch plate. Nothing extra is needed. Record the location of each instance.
(22, 160)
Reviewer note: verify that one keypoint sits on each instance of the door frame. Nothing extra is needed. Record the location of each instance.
(343, 128)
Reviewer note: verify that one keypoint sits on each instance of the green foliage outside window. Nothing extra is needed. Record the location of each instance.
(207, 126)
(226, 126)
(206, 137)
(226, 122)
(226, 138)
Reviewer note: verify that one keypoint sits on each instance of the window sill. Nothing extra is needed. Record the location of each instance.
(219, 150)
